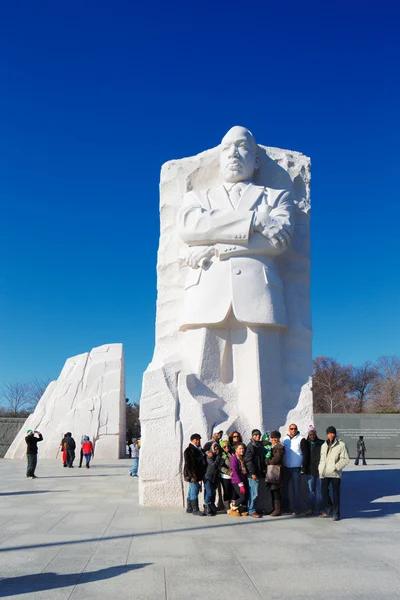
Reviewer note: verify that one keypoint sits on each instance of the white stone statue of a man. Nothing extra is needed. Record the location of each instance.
(234, 309)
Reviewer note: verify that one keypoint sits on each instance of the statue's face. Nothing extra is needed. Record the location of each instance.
(238, 158)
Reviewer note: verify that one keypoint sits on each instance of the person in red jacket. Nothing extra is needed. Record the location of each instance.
(88, 452)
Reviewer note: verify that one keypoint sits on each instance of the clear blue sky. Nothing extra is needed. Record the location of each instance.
(96, 95)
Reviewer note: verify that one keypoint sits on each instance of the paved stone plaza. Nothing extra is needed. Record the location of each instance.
(80, 534)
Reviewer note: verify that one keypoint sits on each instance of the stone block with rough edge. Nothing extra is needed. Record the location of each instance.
(87, 398)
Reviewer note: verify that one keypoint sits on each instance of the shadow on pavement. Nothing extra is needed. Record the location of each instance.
(39, 582)
(362, 489)
(29, 492)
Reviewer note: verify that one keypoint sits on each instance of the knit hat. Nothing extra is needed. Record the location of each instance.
(29, 431)
(331, 429)
(265, 437)
(255, 432)
(311, 429)
(224, 441)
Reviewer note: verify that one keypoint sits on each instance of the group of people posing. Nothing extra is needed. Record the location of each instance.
(68, 447)
(225, 464)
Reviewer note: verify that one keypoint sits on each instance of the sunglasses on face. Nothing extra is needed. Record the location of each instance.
(293, 428)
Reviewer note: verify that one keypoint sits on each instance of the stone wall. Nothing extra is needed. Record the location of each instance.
(381, 432)
(9, 427)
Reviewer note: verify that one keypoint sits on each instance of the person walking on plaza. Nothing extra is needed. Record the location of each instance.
(63, 446)
(361, 451)
(135, 451)
(255, 464)
(295, 446)
(193, 472)
(211, 478)
(310, 468)
(83, 438)
(240, 482)
(274, 477)
(226, 473)
(32, 452)
(334, 458)
(88, 452)
(70, 444)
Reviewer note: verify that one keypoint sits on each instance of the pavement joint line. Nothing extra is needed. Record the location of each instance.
(59, 521)
(89, 559)
(165, 585)
(248, 577)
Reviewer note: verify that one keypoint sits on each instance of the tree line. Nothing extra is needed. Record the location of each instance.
(372, 387)
(19, 398)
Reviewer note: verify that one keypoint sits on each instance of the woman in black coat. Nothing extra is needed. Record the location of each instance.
(278, 452)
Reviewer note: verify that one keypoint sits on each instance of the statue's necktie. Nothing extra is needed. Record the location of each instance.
(235, 194)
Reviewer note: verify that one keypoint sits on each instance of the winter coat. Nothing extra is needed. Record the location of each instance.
(70, 443)
(311, 457)
(87, 448)
(295, 447)
(212, 470)
(135, 450)
(208, 444)
(195, 463)
(237, 472)
(225, 465)
(278, 453)
(334, 458)
(32, 442)
(254, 459)
(361, 446)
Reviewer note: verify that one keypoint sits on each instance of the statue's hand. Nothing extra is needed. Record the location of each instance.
(266, 225)
(197, 255)
(281, 239)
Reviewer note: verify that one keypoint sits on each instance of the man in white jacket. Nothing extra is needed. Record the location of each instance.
(334, 458)
(295, 447)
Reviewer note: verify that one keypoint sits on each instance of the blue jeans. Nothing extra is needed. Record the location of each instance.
(314, 492)
(193, 492)
(87, 458)
(209, 491)
(253, 493)
(292, 475)
(135, 467)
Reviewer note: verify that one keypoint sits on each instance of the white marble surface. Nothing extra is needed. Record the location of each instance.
(87, 398)
(233, 326)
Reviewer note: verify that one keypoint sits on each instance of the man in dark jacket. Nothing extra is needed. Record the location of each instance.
(70, 443)
(361, 450)
(193, 472)
(216, 436)
(255, 464)
(32, 452)
(311, 456)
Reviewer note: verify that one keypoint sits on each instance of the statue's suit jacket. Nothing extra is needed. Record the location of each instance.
(243, 275)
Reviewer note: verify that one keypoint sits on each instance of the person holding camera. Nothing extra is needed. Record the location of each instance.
(32, 452)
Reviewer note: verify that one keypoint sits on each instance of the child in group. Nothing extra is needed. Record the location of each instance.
(211, 479)
(267, 445)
